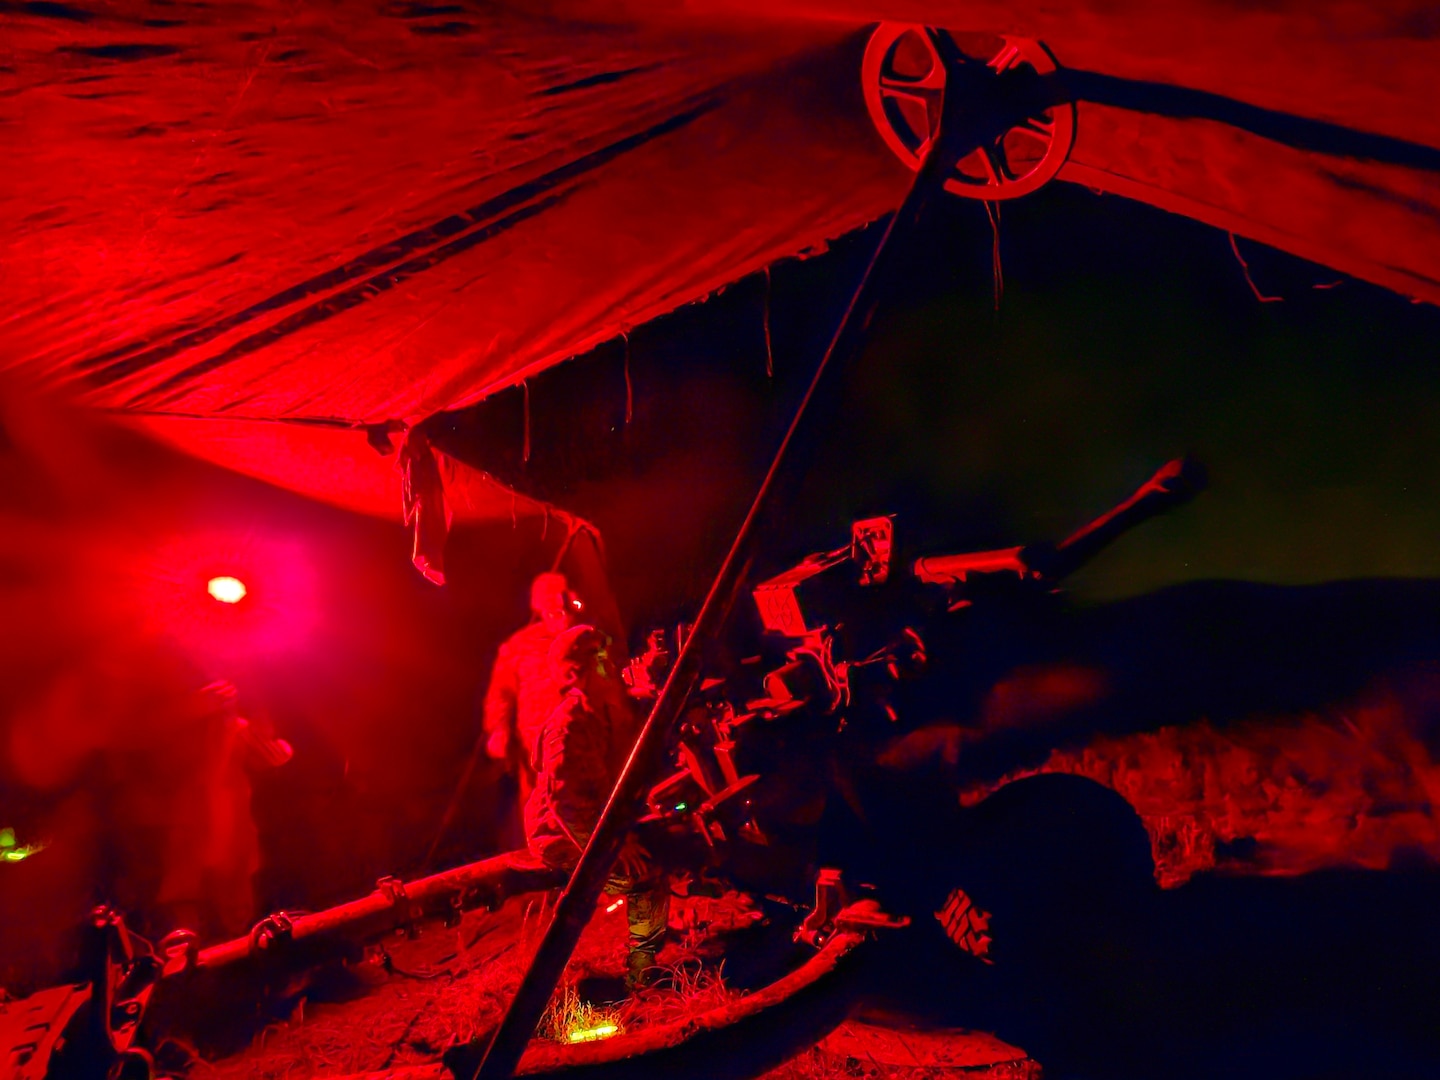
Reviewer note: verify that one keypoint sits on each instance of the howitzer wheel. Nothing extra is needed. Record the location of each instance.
(903, 78)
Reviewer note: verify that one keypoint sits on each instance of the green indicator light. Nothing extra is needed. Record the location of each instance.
(11, 852)
(680, 806)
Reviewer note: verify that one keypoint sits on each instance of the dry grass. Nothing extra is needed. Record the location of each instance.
(689, 989)
(818, 1063)
(470, 973)
(571, 1019)
(453, 985)
(1351, 785)
(861, 1050)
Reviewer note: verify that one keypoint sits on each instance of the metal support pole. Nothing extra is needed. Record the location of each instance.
(969, 101)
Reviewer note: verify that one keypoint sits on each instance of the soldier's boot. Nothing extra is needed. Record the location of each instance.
(648, 913)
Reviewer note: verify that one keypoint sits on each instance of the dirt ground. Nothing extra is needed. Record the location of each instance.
(412, 998)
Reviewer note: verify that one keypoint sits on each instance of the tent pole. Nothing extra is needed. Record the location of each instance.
(968, 103)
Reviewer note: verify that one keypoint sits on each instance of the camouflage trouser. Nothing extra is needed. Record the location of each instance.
(647, 911)
(647, 907)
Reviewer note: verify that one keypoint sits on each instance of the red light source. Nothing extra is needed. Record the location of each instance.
(227, 590)
(228, 597)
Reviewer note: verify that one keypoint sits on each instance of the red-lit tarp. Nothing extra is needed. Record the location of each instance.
(216, 217)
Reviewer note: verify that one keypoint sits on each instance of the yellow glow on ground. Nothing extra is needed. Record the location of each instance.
(602, 1031)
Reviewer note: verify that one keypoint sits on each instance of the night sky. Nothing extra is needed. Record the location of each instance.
(1124, 336)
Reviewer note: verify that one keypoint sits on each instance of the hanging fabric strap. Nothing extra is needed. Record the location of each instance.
(422, 498)
(629, 389)
(525, 453)
(765, 318)
(992, 211)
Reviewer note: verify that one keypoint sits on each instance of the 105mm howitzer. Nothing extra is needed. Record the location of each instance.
(759, 761)
(757, 755)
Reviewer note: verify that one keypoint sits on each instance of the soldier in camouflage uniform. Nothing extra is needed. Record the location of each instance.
(577, 754)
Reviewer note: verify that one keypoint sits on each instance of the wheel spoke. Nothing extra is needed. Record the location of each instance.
(915, 87)
(959, 175)
(1006, 58)
(922, 99)
(992, 177)
(995, 161)
(933, 79)
(1040, 133)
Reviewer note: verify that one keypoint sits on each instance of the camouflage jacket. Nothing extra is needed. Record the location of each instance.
(577, 754)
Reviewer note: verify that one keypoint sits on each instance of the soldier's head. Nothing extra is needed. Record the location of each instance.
(553, 603)
(577, 656)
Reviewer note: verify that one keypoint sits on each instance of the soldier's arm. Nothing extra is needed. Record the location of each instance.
(501, 701)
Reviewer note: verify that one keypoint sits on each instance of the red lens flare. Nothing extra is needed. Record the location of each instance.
(229, 596)
(228, 590)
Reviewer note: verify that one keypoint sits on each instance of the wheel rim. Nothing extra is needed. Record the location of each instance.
(904, 83)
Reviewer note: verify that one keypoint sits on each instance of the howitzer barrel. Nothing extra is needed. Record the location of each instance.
(1174, 483)
(954, 569)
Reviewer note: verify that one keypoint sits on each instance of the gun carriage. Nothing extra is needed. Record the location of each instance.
(770, 789)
